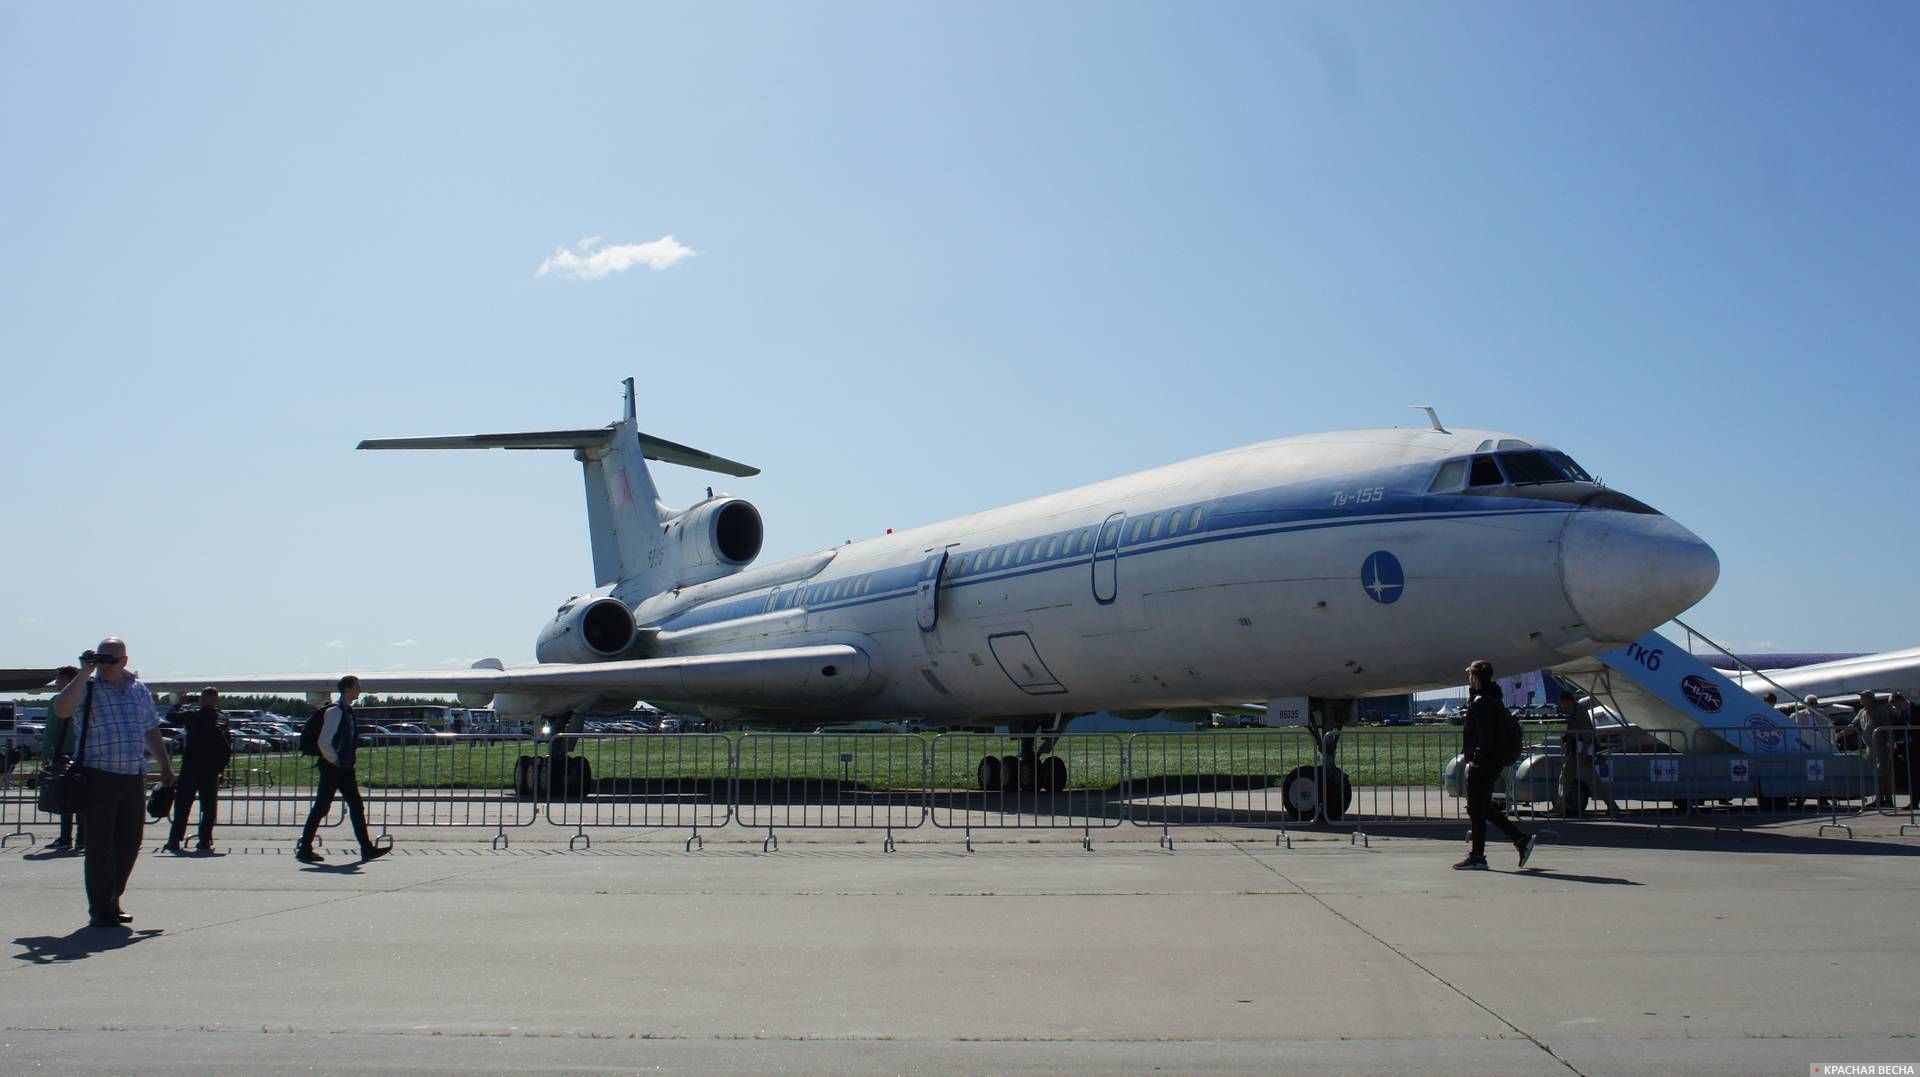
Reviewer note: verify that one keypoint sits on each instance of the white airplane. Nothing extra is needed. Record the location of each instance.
(1306, 572)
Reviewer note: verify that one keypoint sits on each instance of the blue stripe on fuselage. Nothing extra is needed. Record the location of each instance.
(1238, 516)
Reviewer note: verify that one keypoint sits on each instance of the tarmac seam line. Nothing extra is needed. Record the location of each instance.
(1404, 956)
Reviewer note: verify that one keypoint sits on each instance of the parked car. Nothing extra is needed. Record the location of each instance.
(375, 735)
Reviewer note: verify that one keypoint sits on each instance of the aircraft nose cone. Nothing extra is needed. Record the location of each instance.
(1626, 573)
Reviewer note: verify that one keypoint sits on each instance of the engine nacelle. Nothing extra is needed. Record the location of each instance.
(715, 538)
(586, 630)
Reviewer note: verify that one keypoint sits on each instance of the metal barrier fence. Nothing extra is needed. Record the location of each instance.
(446, 780)
(813, 781)
(980, 781)
(652, 781)
(889, 782)
(1240, 779)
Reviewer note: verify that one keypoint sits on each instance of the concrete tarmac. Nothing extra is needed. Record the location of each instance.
(1623, 951)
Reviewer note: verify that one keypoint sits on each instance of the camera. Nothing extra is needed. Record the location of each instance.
(87, 657)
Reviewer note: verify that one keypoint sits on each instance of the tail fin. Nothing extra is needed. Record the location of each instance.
(624, 513)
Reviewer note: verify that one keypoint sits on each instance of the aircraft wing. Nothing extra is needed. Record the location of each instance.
(26, 680)
(793, 677)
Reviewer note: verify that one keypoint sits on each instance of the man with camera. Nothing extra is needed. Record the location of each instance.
(116, 728)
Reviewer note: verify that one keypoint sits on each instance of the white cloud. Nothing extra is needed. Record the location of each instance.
(336, 644)
(588, 260)
(405, 642)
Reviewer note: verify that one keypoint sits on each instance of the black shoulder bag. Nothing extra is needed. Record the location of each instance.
(63, 785)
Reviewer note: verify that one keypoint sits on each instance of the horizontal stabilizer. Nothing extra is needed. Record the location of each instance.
(794, 677)
(25, 680)
(670, 452)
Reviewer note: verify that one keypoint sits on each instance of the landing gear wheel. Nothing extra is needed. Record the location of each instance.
(989, 774)
(1053, 774)
(526, 780)
(1775, 804)
(1301, 792)
(1010, 773)
(576, 779)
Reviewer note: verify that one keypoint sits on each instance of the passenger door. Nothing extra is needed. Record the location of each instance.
(927, 592)
(1106, 559)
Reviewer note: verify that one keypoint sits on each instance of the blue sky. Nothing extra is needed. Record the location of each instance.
(942, 258)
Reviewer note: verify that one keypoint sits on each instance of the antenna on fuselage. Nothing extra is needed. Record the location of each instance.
(1432, 416)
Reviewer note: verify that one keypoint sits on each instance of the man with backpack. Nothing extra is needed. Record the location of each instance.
(333, 740)
(1491, 741)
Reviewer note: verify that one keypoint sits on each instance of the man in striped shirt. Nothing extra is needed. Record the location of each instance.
(117, 729)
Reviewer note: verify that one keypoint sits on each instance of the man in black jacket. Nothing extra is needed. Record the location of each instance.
(202, 760)
(1484, 742)
(339, 737)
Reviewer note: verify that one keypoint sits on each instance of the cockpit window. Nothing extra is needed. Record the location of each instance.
(1528, 468)
(1573, 471)
(1453, 474)
(1485, 472)
(1512, 443)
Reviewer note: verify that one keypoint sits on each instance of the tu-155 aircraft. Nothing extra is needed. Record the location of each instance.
(1307, 572)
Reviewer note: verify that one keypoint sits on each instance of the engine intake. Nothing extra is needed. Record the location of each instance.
(715, 538)
(595, 630)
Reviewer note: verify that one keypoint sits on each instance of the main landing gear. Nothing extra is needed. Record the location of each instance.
(1035, 769)
(1309, 790)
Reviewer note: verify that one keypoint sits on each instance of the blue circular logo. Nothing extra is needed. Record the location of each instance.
(1765, 733)
(1382, 579)
(1701, 693)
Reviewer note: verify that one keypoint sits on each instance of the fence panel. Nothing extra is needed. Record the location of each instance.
(811, 781)
(270, 789)
(1225, 778)
(444, 780)
(635, 781)
(979, 782)
(1399, 775)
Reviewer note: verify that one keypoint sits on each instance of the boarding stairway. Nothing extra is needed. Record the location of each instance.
(1668, 699)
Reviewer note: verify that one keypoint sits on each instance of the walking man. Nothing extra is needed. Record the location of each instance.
(1581, 749)
(117, 730)
(1491, 742)
(202, 760)
(338, 738)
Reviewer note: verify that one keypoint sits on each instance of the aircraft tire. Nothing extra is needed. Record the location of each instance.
(1010, 774)
(989, 774)
(526, 783)
(1301, 792)
(1053, 774)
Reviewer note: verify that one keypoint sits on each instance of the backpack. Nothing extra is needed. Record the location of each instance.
(310, 733)
(1508, 739)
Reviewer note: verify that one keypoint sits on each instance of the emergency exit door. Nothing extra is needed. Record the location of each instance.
(1106, 559)
(928, 590)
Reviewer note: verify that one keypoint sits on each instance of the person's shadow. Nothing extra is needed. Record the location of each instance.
(349, 867)
(79, 944)
(1564, 876)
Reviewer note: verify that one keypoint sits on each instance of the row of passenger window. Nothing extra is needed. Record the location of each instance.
(823, 592)
(1079, 543)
